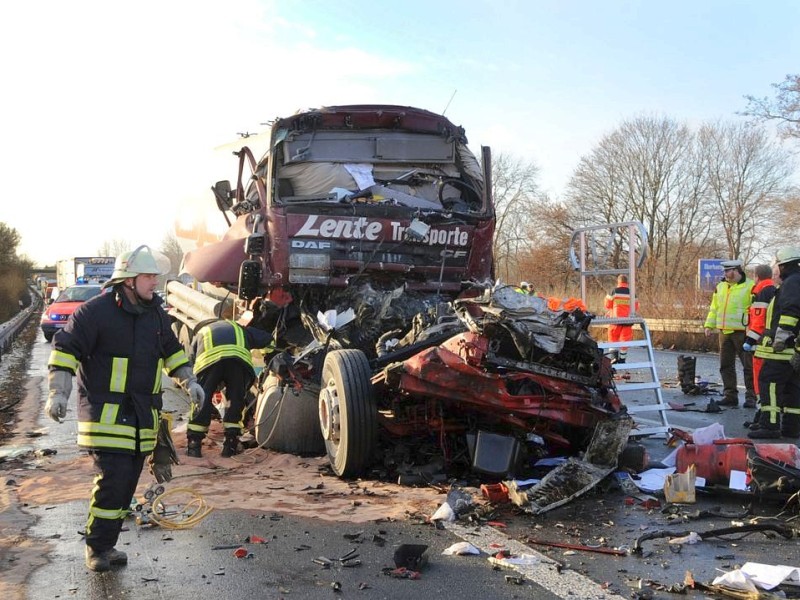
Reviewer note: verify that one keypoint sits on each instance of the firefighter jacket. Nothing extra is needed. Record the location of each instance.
(226, 339)
(762, 293)
(729, 306)
(118, 350)
(618, 302)
(783, 312)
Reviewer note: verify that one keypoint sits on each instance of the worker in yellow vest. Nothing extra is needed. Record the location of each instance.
(727, 314)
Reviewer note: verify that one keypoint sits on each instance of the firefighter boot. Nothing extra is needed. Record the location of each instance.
(758, 420)
(193, 446)
(767, 431)
(686, 373)
(97, 561)
(231, 444)
(117, 557)
(790, 425)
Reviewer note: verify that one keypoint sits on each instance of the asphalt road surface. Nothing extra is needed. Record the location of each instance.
(181, 564)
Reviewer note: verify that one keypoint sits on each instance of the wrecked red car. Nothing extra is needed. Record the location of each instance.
(363, 241)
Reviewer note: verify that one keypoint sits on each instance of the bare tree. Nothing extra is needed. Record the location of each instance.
(787, 226)
(647, 170)
(113, 248)
(9, 240)
(545, 263)
(748, 176)
(171, 248)
(514, 188)
(784, 108)
(13, 272)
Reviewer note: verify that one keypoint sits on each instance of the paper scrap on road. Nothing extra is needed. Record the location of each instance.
(461, 548)
(770, 576)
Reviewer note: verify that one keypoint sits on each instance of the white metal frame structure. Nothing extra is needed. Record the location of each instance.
(596, 246)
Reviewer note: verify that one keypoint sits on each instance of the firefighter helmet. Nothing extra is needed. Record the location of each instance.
(787, 255)
(130, 264)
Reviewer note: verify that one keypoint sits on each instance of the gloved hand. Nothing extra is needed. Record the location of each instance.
(164, 455)
(795, 361)
(782, 337)
(60, 387)
(748, 347)
(184, 377)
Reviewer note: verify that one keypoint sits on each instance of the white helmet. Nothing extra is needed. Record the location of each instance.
(524, 285)
(734, 263)
(787, 255)
(130, 264)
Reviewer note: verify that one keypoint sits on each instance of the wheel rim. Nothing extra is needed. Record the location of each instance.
(329, 413)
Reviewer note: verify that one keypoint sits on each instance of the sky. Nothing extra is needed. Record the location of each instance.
(113, 114)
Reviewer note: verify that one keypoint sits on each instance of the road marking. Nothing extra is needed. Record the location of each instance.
(567, 584)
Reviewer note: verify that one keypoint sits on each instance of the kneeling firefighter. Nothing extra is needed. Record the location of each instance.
(221, 352)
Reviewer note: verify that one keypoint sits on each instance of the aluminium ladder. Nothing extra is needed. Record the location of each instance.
(628, 241)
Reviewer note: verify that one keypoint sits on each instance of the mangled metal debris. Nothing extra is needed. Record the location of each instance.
(576, 476)
(489, 382)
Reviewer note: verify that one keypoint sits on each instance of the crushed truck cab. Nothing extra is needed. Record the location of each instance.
(353, 240)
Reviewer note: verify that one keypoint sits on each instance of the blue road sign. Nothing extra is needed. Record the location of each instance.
(709, 273)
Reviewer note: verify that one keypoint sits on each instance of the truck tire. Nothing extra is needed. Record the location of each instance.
(348, 415)
(287, 423)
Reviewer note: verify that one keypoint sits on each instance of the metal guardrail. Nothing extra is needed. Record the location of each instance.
(11, 329)
(659, 325)
(676, 325)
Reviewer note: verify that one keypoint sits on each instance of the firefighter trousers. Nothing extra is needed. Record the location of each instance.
(780, 397)
(114, 487)
(236, 377)
(730, 346)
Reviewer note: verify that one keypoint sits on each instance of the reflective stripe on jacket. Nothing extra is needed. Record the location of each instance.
(764, 349)
(618, 302)
(226, 339)
(118, 351)
(783, 308)
(729, 306)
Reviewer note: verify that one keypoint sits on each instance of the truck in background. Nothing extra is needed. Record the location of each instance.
(83, 269)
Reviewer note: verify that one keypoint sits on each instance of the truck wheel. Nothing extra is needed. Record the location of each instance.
(287, 423)
(49, 336)
(348, 416)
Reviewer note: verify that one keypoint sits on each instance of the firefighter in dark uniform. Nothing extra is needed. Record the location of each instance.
(779, 383)
(221, 355)
(117, 343)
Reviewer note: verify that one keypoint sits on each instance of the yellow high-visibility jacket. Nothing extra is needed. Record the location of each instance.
(729, 306)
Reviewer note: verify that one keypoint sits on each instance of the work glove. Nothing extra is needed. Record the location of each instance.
(748, 347)
(164, 455)
(795, 361)
(60, 386)
(184, 377)
(782, 339)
